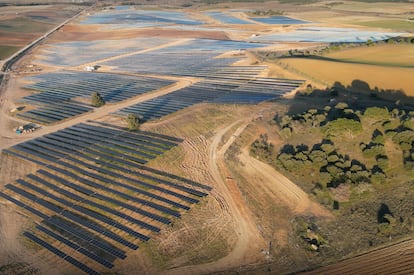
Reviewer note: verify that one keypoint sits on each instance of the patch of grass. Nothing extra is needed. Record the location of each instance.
(24, 25)
(6, 51)
(400, 25)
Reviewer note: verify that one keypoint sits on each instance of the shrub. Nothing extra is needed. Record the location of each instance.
(406, 136)
(133, 122)
(377, 113)
(373, 150)
(341, 125)
(378, 178)
(97, 100)
(318, 157)
(382, 161)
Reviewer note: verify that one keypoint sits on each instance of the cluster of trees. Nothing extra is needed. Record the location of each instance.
(267, 13)
(334, 168)
(262, 148)
(332, 120)
(341, 121)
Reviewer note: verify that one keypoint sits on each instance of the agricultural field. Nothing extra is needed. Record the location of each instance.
(379, 66)
(21, 25)
(205, 137)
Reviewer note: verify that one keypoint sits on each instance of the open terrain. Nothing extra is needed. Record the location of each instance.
(221, 176)
(380, 66)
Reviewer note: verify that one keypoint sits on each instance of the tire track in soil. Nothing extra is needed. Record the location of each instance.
(228, 196)
(280, 187)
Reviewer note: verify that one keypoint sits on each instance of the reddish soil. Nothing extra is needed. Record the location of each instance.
(94, 32)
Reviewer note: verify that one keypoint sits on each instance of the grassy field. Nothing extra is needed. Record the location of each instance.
(376, 76)
(391, 55)
(24, 25)
(385, 67)
(6, 51)
(394, 24)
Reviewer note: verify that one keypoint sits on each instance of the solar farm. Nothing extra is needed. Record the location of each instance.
(93, 197)
(57, 93)
(230, 90)
(95, 193)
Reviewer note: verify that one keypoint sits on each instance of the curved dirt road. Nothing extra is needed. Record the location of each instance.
(249, 241)
(280, 187)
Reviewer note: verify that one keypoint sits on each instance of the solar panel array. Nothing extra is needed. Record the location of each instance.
(217, 90)
(93, 198)
(193, 58)
(69, 53)
(58, 92)
(222, 83)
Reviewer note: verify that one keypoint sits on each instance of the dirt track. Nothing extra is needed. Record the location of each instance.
(280, 187)
(98, 113)
(249, 241)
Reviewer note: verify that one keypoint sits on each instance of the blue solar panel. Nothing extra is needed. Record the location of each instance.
(59, 253)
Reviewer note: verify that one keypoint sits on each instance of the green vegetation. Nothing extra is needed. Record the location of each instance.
(400, 25)
(133, 122)
(24, 25)
(267, 13)
(97, 100)
(6, 51)
(18, 268)
(354, 159)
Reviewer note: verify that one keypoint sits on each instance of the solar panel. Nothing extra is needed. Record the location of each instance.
(59, 253)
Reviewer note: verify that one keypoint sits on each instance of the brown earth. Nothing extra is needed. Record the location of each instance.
(94, 32)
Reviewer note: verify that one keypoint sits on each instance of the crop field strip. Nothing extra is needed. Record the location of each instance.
(58, 93)
(91, 202)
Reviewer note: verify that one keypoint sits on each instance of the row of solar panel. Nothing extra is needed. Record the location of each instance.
(60, 254)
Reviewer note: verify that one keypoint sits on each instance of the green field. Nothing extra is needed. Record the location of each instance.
(24, 25)
(394, 24)
(6, 51)
(384, 55)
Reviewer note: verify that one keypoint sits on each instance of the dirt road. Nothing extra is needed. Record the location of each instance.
(10, 139)
(249, 241)
(279, 187)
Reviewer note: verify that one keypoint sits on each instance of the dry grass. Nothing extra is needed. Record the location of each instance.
(328, 72)
(392, 55)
